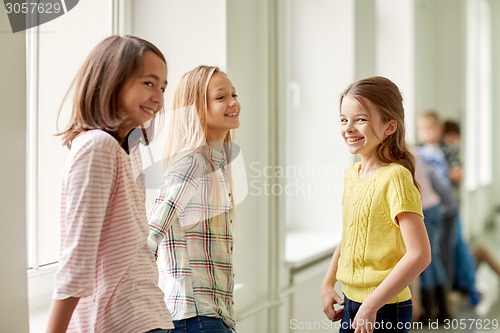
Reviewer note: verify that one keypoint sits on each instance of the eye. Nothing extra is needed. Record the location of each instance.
(149, 84)
(360, 120)
(235, 95)
(163, 89)
(221, 97)
(343, 121)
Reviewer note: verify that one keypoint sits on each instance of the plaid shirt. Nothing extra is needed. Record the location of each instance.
(191, 236)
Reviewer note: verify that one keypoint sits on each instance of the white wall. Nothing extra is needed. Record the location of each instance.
(395, 47)
(189, 33)
(440, 57)
(13, 256)
(365, 38)
(160, 22)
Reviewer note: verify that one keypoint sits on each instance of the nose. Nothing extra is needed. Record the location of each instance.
(158, 98)
(233, 102)
(349, 128)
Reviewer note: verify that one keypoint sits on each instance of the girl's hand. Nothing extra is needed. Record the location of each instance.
(364, 321)
(329, 298)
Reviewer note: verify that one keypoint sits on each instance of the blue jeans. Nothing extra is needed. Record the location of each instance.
(465, 277)
(448, 245)
(434, 275)
(201, 324)
(394, 317)
(159, 330)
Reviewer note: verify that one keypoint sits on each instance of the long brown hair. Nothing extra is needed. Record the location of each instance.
(387, 98)
(98, 83)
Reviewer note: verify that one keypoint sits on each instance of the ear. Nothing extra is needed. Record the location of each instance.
(392, 126)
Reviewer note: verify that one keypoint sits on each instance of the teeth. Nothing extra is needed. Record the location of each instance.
(232, 114)
(353, 139)
(148, 110)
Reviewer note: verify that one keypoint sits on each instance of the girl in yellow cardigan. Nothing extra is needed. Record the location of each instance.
(384, 244)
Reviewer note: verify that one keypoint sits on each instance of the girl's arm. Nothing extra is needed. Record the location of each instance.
(415, 260)
(60, 314)
(180, 185)
(329, 296)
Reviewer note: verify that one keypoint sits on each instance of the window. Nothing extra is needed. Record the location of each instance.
(55, 51)
(478, 145)
(314, 74)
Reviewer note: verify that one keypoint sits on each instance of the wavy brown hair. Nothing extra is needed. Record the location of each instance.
(387, 99)
(98, 83)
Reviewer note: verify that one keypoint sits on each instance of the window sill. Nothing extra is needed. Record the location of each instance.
(40, 287)
(38, 319)
(303, 247)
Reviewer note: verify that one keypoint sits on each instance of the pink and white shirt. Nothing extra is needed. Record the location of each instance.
(105, 259)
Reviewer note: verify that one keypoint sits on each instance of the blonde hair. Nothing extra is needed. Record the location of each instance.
(187, 132)
(388, 102)
(187, 129)
(98, 83)
(431, 116)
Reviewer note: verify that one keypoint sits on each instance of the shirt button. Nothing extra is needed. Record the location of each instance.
(229, 193)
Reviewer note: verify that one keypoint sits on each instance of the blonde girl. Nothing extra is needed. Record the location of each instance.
(191, 220)
(384, 244)
(107, 277)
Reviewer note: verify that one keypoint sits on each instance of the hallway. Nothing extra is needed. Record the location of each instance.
(486, 316)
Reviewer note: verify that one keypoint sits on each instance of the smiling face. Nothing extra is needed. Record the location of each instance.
(362, 128)
(223, 108)
(142, 95)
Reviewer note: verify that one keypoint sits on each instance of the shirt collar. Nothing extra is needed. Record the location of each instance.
(218, 157)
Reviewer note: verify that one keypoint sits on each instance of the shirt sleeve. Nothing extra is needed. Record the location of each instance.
(181, 183)
(446, 193)
(402, 194)
(87, 186)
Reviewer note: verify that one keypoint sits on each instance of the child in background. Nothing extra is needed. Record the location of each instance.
(477, 253)
(191, 220)
(457, 256)
(107, 278)
(429, 132)
(433, 280)
(450, 143)
(384, 244)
